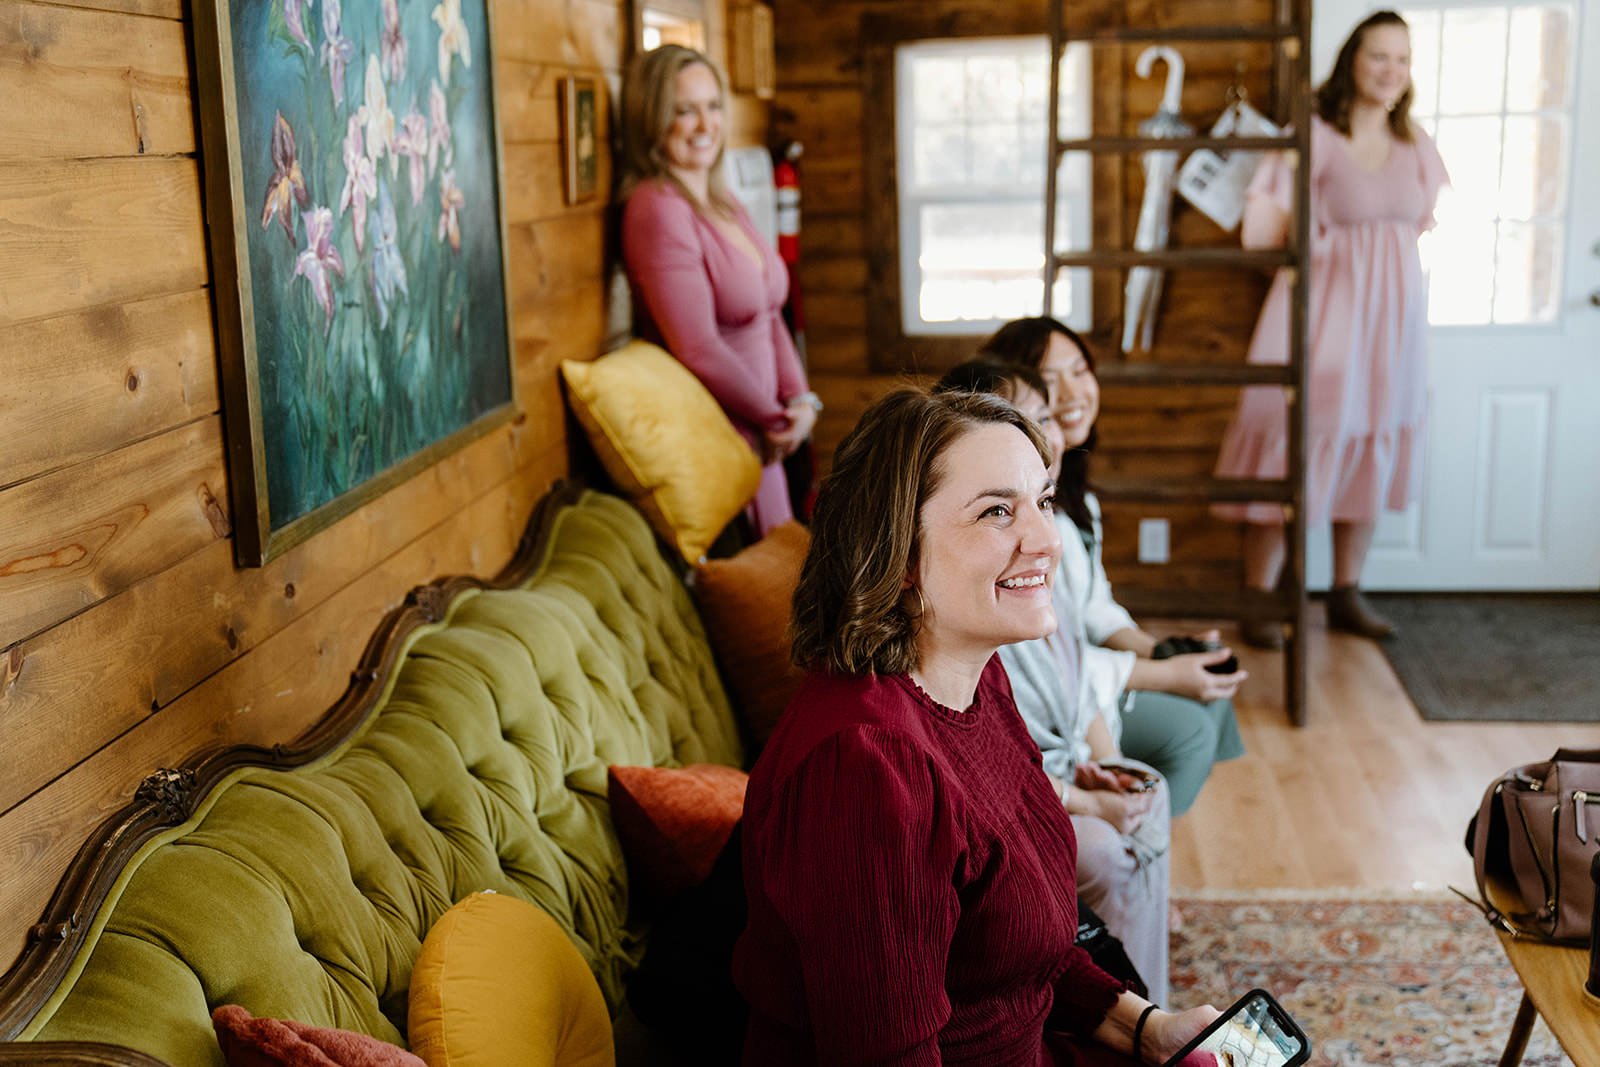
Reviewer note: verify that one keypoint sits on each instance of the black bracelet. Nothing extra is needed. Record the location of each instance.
(1138, 1032)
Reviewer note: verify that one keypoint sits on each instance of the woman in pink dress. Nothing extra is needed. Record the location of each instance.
(1375, 177)
(706, 286)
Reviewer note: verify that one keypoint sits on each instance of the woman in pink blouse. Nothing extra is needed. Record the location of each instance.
(706, 286)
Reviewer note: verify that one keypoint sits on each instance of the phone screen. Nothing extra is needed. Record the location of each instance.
(1255, 1032)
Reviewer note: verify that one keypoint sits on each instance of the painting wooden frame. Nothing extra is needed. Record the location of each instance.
(354, 195)
(580, 138)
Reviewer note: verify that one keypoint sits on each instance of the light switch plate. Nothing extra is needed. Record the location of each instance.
(1154, 541)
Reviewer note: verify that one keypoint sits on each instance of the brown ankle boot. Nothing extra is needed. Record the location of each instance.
(1348, 610)
(1261, 633)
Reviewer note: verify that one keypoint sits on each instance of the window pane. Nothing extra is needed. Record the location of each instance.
(1472, 70)
(1535, 167)
(1000, 153)
(941, 155)
(1424, 61)
(1527, 272)
(994, 89)
(939, 87)
(1461, 289)
(1540, 50)
(983, 237)
(1471, 151)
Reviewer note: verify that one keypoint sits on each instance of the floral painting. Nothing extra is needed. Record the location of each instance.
(366, 235)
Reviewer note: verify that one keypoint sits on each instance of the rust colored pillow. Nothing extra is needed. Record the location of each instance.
(251, 1042)
(745, 602)
(674, 822)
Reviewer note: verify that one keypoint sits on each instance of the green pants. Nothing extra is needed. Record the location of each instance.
(1180, 738)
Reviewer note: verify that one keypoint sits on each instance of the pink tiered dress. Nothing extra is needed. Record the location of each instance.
(1368, 336)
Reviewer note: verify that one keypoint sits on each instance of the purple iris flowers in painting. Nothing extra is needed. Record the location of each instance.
(438, 127)
(360, 179)
(294, 17)
(412, 143)
(452, 37)
(451, 201)
(393, 43)
(388, 268)
(336, 50)
(319, 261)
(287, 186)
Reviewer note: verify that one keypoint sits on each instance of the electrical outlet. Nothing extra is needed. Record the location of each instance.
(1153, 541)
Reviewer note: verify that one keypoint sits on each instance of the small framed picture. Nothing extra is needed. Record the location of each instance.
(580, 139)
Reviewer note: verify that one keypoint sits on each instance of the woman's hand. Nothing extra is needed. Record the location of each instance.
(1186, 676)
(781, 444)
(1124, 811)
(1166, 1032)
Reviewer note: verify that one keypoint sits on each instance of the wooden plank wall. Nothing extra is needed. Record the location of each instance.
(128, 638)
(1206, 315)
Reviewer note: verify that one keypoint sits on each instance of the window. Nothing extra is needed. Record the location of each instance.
(970, 152)
(1493, 85)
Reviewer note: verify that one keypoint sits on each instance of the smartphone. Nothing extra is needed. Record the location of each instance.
(1144, 781)
(1255, 1032)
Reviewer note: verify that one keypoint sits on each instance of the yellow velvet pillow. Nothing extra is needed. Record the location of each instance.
(662, 438)
(499, 984)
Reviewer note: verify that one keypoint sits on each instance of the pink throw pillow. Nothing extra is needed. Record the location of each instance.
(251, 1042)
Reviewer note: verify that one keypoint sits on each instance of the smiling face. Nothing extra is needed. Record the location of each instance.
(1037, 407)
(693, 141)
(1383, 65)
(1074, 390)
(988, 547)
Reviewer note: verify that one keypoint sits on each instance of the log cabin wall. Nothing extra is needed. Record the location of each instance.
(128, 638)
(824, 52)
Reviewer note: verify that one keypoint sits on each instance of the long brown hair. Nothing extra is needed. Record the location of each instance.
(649, 106)
(1024, 342)
(852, 614)
(1335, 95)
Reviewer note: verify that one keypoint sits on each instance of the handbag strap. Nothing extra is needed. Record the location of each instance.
(1576, 755)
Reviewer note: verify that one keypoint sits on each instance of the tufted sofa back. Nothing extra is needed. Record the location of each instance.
(305, 894)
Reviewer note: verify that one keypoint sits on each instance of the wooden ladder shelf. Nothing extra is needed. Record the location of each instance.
(1288, 34)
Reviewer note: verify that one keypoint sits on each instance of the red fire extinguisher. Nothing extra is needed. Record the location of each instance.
(786, 178)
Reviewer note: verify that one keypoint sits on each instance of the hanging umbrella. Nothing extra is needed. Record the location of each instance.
(1142, 294)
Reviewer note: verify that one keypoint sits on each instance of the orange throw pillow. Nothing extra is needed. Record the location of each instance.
(673, 823)
(745, 603)
(251, 1042)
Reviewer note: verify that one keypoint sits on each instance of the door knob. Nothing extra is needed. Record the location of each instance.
(1594, 298)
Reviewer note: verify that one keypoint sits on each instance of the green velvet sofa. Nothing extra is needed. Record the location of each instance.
(469, 754)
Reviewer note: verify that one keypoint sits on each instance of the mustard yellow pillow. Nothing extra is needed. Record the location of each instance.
(662, 438)
(499, 984)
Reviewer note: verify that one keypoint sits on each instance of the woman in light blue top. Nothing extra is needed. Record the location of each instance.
(1170, 713)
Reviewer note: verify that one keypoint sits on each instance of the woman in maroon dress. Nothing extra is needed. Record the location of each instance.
(903, 848)
(706, 286)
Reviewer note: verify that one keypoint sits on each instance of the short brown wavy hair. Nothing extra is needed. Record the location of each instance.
(850, 611)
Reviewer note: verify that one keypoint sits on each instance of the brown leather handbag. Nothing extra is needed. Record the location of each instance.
(1532, 841)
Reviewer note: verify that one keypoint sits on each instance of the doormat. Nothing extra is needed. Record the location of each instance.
(1402, 981)
(1497, 657)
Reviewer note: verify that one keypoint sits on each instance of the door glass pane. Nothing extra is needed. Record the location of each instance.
(1424, 61)
(1526, 272)
(1535, 166)
(1540, 53)
(1471, 151)
(1461, 261)
(1472, 67)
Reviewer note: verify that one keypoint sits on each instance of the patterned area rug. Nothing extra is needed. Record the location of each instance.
(1404, 981)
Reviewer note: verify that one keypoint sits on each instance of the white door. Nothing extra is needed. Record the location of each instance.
(1511, 498)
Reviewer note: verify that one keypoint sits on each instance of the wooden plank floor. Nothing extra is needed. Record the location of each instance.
(1366, 795)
